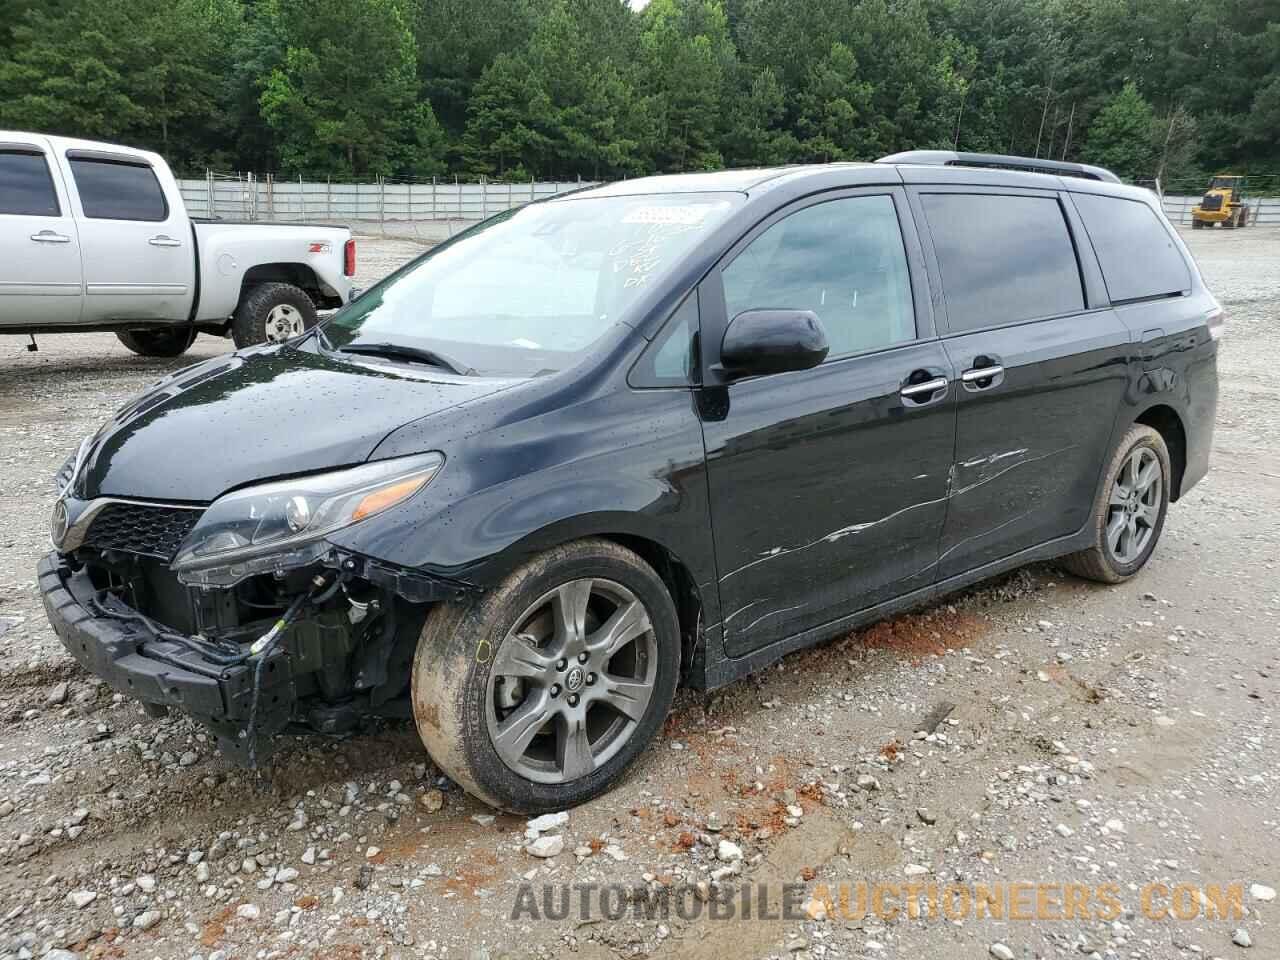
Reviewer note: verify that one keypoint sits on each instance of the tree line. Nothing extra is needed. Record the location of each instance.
(520, 89)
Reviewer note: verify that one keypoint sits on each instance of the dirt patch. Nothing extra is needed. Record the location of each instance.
(915, 636)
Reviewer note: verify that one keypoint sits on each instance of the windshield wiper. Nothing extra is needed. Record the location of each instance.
(418, 354)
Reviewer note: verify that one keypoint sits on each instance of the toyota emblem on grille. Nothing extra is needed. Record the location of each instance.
(58, 523)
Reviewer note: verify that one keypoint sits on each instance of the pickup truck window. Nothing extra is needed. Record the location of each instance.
(26, 189)
(110, 190)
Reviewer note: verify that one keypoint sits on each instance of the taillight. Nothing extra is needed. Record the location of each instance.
(1217, 322)
(349, 258)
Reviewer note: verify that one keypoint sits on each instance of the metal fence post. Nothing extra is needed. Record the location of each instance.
(382, 204)
(328, 198)
(433, 199)
(484, 198)
(531, 193)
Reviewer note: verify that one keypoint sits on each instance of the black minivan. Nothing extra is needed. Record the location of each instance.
(657, 432)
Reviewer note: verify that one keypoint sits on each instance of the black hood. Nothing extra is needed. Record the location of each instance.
(258, 415)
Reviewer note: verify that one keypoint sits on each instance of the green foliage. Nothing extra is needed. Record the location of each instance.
(344, 101)
(1120, 135)
(558, 88)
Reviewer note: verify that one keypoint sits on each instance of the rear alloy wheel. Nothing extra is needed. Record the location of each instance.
(537, 695)
(272, 313)
(158, 343)
(1129, 513)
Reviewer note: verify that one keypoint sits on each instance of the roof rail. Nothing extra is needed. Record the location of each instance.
(949, 158)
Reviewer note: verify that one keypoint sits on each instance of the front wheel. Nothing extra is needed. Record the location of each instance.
(272, 313)
(1129, 513)
(158, 343)
(537, 695)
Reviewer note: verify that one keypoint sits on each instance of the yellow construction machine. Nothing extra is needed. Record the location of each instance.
(1222, 203)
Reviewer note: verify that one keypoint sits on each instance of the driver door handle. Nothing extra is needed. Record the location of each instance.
(929, 391)
(48, 236)
(161, 240)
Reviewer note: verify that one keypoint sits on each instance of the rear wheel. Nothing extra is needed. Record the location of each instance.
(158, 343)
(1197, 224)
(1129, 513)
(272, 313)
(537, 695)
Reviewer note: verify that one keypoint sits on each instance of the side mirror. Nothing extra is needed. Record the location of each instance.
(760, 342)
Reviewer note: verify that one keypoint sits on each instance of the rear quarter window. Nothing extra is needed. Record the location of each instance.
(1004, 258)
(119, 191)
(26, 189)
(1138, 257)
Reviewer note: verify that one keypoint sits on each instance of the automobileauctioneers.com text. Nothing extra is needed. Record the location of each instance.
(888, 901)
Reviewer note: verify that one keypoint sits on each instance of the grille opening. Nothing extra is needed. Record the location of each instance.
(144, 529)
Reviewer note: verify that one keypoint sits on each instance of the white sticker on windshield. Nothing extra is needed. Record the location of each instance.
(686, 216)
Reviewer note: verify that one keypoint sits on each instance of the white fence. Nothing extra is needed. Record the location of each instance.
(248, 197)
(1261, 212)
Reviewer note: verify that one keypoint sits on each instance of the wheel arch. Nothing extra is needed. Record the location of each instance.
(1167, 422)
(687, 596)
(301, 275)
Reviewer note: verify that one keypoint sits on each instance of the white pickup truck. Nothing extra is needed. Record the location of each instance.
(95, 236)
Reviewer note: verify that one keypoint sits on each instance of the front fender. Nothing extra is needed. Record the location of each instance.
(628, 464)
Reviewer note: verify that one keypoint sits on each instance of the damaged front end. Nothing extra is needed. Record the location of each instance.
(241, 613)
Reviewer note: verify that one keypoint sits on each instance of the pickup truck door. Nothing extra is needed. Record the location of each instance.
(40, 279)
(135, 238)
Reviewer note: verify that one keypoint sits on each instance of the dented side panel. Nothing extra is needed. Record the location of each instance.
(1029, 452)
(828, 493)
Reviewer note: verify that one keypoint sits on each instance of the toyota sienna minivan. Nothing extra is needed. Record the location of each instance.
(653, 433)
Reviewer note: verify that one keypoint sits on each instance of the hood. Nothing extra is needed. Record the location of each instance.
(261, 414)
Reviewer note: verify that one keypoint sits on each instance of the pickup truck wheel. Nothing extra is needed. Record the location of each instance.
(272, 313)
(1129, 513)
(158, 343)
(538, 694)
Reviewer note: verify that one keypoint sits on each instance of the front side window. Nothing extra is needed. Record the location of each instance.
(26, 189)
(842, 259)
(1003, 258)
(672, 359)
(528, 291)
(118, 191)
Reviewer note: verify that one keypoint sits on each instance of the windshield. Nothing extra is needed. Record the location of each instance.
(528, 291)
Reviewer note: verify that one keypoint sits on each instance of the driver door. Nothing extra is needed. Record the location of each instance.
(828, 486)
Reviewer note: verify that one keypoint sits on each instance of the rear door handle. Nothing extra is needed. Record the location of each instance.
(163, 241)
(48, 236)
(983, 378)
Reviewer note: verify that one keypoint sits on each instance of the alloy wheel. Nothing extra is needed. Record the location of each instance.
(571, 681)
(1134, 506)
(284, 322)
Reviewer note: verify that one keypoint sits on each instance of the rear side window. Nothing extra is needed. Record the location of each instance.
(1003, 258)
(1138, 257)
(119, 191)
(26, 189)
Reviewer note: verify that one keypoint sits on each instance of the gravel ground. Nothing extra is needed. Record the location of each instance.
(1081, 735)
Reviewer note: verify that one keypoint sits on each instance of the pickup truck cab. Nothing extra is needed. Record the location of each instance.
(95, 236)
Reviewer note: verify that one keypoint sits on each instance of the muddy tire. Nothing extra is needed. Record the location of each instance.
(537, 695)
(1130, 509)
(1197, 224)
(272, 312)
(158, 343)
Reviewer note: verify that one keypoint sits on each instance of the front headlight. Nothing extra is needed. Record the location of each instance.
(279, 525)
(66, 476)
